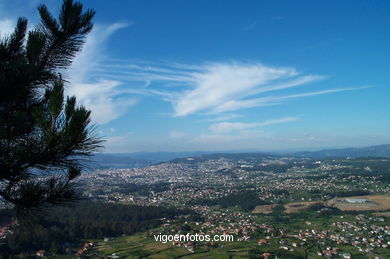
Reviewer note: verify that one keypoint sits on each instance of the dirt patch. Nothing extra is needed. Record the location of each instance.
(265, 209)
(374, 202)
(295, 207)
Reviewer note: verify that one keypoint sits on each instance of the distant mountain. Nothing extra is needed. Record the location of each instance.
(232, 157)
(142, 159)
(371, 151)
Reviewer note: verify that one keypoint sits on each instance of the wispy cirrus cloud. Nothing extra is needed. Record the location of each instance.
(277, 99)
(216, 88)
(103, 96)
(221, 89)
(226, 87)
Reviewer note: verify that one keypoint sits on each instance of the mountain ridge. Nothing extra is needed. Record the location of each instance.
(142, 159)
(353, 152)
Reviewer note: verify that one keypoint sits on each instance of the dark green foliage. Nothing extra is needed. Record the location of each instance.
(278, 209)
(85, 221)
(42, 137)
(276, 168)
(316, 207)
(246, 200)
(351, 193)
(385, 178)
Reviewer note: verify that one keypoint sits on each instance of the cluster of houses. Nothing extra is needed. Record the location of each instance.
(363, 233)
(189, 183)
(86, 250)
(197, 181)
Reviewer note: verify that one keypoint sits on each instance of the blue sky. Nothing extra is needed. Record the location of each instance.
(231, 75)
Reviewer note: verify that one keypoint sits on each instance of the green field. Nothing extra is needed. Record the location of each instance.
(140, 246)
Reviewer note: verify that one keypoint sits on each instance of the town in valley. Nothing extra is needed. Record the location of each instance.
(274, 206)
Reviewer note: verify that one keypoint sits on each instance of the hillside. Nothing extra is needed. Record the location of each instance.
(371, 151)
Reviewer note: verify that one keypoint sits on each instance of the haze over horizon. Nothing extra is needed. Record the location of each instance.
(214, 76)
(270, 151)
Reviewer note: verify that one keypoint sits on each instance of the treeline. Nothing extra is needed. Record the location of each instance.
(246, 200)
(351, 193)
(63, 225)
(385, 178)
(319, 193)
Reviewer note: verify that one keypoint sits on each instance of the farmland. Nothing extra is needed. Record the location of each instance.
(375, 202)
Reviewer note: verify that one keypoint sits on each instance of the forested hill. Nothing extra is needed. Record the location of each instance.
(371, 151)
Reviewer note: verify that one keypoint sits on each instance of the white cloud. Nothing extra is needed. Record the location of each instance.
(224, 127)
(91, 55)
(275, 100)
(7, 26)
(102, 96)
(220, 83)
(215, 88)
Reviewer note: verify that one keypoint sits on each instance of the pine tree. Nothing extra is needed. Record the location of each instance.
(43, 137)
